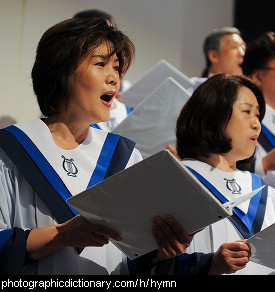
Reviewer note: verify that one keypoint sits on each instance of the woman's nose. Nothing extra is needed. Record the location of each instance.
(256, 124)
(112, 76)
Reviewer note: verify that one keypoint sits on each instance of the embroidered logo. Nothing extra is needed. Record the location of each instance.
(69, 166)
(232, 185)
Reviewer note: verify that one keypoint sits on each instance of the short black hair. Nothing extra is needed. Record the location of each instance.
(93, 13)
(60, 51)
(259, 53)
(201, 123)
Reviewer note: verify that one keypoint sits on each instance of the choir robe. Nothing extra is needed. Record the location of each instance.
(36, 178)
(248, 218)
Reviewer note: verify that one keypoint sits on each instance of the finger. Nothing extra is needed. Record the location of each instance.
(164, 229)
(91, 242)
(234, 269)
(179, 230)
(249, 247)
(183, 238)
(105, 231)
(162, 237)
(239, 262)
(173, 150)
(239, 254)
(88, 242)
(101, 239)
(165, 252)
(237, 246)
(100, 229)
(168, 238)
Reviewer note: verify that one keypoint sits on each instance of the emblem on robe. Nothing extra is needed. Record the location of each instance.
(69, 166)
(232, 185)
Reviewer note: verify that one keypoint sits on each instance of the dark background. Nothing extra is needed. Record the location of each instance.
(252, 17)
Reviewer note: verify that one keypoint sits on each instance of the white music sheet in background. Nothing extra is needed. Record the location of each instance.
(152, 79)
(152, 123)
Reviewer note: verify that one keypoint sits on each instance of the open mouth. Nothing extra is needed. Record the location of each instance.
(254, 139)
(106, 97)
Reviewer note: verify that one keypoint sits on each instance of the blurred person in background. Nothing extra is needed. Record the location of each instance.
(259, 64)
(224, 50)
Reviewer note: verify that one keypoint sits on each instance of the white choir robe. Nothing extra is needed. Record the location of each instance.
(21, 208)
(210, 238)
(119, 111)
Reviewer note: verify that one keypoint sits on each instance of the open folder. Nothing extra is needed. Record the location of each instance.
(263, 247)
(152, 123)
(159, 185)
(151, 80)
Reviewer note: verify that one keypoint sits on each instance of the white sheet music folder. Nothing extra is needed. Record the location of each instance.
(263, 247)
(159, 185)
(152, 79)
(152, 123)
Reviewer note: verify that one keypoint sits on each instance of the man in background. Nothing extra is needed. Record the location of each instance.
(224, 50)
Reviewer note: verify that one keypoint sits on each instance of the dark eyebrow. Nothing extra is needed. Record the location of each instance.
(104, 57)
(249, 104)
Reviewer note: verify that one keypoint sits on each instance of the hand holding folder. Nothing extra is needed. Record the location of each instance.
(157, 186)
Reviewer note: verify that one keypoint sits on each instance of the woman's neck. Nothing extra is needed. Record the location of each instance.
(67, 134)
(220, 162)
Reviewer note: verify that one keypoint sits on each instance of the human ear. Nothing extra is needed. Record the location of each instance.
(213, 56)
(257, 77)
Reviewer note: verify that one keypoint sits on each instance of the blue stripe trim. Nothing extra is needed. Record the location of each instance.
(248, 218)
(96, 126)
(4, 236)
(258, 222)
(42, 164)
(142, 265)
(269, 135)
(183, 263)
(208, 185)
(121, 156)
(13, 253)
(104, 159)
(196, 263)
(128, 109)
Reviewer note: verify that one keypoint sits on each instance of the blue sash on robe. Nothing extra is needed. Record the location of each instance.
(114, 157)
(266, 139)
(250, 223)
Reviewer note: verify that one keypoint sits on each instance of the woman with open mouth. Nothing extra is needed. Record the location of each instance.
(76, 76)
